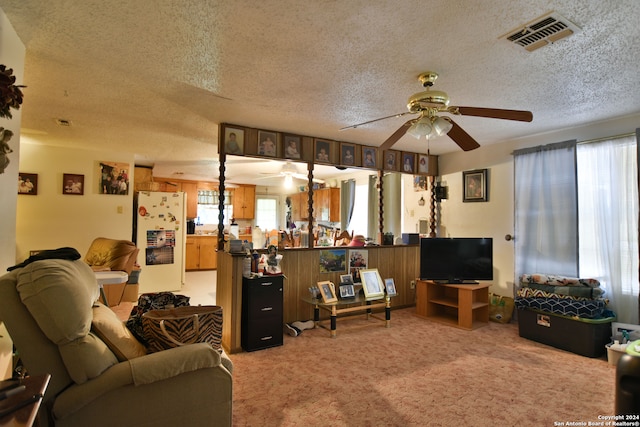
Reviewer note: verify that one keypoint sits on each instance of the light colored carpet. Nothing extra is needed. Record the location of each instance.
(417, 373)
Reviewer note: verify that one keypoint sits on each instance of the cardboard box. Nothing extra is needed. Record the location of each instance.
(131, 293)
(587, 337)
(113, 293)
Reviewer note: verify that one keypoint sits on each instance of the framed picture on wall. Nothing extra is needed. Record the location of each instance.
(28, 183)
(322, 151)
(114, 178)
(292, 147)
(233, 140)
(369, 157)
(408, 162)
(391, 160)
(267, 143)
(72, 184)
(474, 186)
(347, 154)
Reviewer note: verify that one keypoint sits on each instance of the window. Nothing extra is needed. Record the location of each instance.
(267, 212)
(208, 207)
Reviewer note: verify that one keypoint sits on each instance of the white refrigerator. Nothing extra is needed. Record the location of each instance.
(161, 237)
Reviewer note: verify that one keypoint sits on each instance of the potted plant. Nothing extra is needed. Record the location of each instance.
(10, 93)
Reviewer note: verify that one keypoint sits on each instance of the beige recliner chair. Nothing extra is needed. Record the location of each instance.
(100, 374)
(112, 254)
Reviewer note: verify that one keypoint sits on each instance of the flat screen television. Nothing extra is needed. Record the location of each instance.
(456, 260)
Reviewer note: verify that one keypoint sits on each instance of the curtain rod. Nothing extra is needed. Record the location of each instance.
(607, 138)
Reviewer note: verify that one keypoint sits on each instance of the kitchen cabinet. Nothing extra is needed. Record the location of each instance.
(200, 253)
(244, 202)
(299, 206)
(191, 190)
(326, 205)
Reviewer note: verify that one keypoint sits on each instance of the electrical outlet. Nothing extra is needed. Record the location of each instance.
(120, 209)
(412, 285)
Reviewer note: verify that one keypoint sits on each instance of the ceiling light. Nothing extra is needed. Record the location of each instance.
(421, 128)
(441, 126)
(288, 181)
(430, 127)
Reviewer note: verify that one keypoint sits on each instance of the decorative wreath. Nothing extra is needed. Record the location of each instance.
(10, 93)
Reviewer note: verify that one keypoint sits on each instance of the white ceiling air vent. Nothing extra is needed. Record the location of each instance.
(541, 32)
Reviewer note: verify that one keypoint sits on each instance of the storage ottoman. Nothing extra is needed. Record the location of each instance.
(586, 337)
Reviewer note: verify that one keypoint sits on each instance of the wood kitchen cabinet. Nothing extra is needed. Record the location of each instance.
(200, 253)
(244, 202)
(191, 190)
(326, 205)
(299, 206)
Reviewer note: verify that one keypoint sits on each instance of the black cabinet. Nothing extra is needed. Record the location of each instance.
(262, 317)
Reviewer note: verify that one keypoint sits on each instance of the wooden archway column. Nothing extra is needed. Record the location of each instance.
(432, 206)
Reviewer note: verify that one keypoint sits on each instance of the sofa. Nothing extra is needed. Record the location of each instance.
(100, 374)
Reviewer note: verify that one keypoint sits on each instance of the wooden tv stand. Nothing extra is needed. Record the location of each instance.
(461, 305)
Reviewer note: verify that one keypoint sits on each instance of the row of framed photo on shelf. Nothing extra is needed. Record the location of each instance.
(239, 140)
(372, 286)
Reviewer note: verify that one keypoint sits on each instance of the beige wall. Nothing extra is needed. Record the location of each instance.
(51, 219)
(12, 54)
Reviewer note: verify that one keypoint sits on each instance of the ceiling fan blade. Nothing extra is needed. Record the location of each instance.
(396, 135)
(494, 113)
(375, 120)
(462, 138)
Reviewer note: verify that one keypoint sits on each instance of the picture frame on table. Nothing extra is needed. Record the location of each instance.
(390, 287)
(267, 143)
(292, 147)
(72, 184)
(372, 283)
(327, 290)
(474, 184)
(347, 291)
(346, 279)
(28, 183)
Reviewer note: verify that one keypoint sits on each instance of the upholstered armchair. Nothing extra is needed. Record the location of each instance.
(112, 254)
(100, 374)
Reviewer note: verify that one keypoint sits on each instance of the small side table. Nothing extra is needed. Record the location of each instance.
(21, 409)
(109, 278)
(342, 306)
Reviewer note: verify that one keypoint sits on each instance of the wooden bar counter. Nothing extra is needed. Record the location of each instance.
(301, 268)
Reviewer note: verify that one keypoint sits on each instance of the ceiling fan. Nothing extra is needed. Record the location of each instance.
(429, 104)
(289, 171)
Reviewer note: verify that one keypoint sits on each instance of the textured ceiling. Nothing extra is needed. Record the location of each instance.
(157, 77)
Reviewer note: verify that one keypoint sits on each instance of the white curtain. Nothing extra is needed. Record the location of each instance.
(347, 200)
(608, 199)
(546, 223)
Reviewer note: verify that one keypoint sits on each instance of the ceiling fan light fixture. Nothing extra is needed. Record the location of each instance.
(441, 126)
(288, 181)
(422, 127)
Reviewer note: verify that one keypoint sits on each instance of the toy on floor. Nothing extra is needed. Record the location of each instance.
(294, 329)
